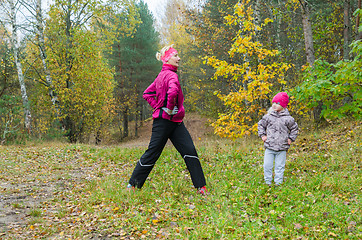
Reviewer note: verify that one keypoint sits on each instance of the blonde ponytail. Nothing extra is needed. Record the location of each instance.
(158, 56)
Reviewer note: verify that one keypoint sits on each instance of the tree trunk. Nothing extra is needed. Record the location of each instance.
(278, 23)
(308, 35)
(136, 124)
(15, 46)
(125, 123)
(257, 18)
(309, 49)
(137, 118)
(5, 74)
(70, 126)
(346, 30)
(69, 44)
(142, 115)
(43, 56)
(358, 21)
(98, 137)
(257, 22)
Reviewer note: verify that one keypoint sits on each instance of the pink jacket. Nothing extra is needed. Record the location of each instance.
(166, 91)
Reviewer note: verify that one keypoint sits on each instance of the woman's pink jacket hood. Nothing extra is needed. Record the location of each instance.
(166, 91)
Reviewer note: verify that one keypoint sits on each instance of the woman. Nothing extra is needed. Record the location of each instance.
(166, 98)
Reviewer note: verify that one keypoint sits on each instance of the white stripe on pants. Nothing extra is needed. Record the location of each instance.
(269, 157)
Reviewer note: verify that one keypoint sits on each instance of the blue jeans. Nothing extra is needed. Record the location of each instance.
(269, 157)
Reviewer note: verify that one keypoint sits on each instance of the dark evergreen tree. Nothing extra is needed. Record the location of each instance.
(136, 67)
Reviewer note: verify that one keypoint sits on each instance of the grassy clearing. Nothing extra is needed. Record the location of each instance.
(320, 197)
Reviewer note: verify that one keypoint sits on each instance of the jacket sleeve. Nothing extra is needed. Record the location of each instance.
(150, 95)
(172, 92)
(262, 127)
(293, 128)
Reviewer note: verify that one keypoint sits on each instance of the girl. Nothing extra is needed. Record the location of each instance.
(278, 130)
(166, 98)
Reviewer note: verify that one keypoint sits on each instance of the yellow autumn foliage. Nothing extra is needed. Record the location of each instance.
(254, 76)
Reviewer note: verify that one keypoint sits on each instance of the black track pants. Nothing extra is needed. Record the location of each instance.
(162, 130)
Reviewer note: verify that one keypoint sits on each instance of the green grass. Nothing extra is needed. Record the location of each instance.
(319, 199)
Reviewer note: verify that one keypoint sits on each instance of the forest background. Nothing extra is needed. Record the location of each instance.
(73, 73)
(77, 70)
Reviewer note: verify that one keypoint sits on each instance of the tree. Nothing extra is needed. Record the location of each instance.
(358, 20)
(133, 57)
(332, 84)
(308, 35)
(10, 104)
(40, 41)
(309, 47)
(245, 105)
(206, 34)
(347, 28)
(81, 76)
(176, 30)
(7, 69)
(11, 8)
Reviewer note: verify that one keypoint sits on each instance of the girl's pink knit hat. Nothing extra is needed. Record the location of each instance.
(282, 99)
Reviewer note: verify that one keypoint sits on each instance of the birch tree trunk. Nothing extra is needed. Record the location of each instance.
(69, 123)
(15, 46)
(41, 44)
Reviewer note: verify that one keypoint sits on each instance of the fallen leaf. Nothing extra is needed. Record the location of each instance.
(298, 226)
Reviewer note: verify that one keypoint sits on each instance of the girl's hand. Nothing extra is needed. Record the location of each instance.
(263, 138)
(289, 141)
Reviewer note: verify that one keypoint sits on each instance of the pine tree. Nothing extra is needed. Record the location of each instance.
(136, 67)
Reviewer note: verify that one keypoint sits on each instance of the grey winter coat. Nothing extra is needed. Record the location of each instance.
(278, 127)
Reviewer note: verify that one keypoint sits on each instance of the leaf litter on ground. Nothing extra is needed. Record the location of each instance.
(73, 191)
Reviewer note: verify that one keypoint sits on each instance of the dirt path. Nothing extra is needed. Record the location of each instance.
(19, 201)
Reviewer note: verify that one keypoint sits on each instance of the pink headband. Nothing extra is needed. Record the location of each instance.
(168, 54)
